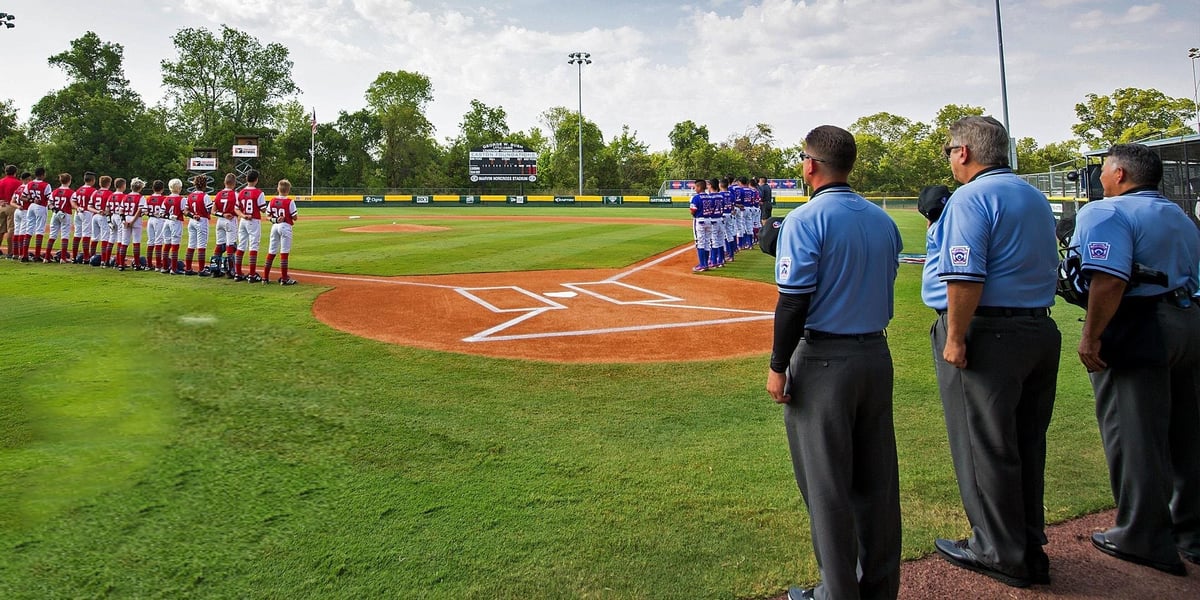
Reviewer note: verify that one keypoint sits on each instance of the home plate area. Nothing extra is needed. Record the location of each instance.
(654, 311)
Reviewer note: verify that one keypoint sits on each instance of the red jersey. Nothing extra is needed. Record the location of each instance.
(173, 207)
(198, 205)
(224, 202)
(282, 210)
(60, 199)
(82, 196)
(114, 203)
(251, 201)
(8, 188)
(154, 205)
(21, 196)
(130, 205)
(39, 192)
(99, 201)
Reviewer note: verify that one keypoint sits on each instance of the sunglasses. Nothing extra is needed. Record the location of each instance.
(806, 156)
(948, 150)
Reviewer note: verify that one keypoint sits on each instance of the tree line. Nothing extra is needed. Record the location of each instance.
(226, 83)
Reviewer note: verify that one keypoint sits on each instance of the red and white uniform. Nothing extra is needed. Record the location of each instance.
(153, 206)
(199, 205)
(131, 210)
(39, 193)
(60, 204)
(102, 229)
(250, 201)
(83, 218)
(20, 200)
(173, 225)
(282, 211)
(227, 221)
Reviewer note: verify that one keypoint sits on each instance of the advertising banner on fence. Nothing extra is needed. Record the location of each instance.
(375, 199)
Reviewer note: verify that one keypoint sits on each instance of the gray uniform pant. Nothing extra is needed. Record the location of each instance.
(997, 412)
(843, 446)
(1150, 423)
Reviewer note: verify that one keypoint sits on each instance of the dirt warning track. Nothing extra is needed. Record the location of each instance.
(656, 310)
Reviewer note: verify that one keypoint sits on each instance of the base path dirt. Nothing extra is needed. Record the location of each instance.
(656, 310)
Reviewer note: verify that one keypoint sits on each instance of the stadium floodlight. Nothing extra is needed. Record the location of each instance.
(1194, 53)
(7, 20)
(579, 59)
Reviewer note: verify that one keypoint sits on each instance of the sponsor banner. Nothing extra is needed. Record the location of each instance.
(612, 199)
(515, 200)
(202, 164)
(469, 200)
(372, 199)
(660, 199)
(564, 199)
(245, 151)
(422, 199)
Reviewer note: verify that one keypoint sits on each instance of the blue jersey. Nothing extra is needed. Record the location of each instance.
(739, 196)
(727, 202)
(1139, 227)
(843, 250)
(710, 203)
(696, 206)
(999, 231)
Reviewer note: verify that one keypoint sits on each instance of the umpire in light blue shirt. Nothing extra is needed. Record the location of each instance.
(1141, 344)
(995, 351)
(835, 266)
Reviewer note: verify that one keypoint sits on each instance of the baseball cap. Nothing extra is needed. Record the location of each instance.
(932, 201)
(768, 237)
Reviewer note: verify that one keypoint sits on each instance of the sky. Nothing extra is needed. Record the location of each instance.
(724, 64)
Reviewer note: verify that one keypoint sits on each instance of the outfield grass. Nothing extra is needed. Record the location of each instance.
(170, 437)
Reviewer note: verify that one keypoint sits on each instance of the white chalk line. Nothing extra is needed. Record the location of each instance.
(652, 263)
(582, 288)
(488, 305)
(632, 328)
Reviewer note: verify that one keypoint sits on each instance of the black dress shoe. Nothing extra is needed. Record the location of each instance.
(1103, 544)
(959, 554)
(1038, 564)
(797, 593)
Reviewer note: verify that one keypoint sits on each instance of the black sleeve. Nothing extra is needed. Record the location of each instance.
(791, 311)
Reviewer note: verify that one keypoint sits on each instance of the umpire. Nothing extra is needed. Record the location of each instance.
(991, 278)
(1141, 344)
(835, 266)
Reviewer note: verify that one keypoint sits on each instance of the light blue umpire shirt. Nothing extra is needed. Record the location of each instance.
(999, 231)
(844, 251)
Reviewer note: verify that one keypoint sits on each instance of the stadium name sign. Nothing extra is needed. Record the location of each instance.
(502, 161)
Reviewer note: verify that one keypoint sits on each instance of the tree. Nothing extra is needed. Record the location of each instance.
(626, 164)
(1129, 114)
(224, 86)
(482, 124)
(1034, 159)
(15, 146)
(398, 99)
(558, 164)
(691, 153)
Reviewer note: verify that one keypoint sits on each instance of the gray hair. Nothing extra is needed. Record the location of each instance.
(1141, 164)
(985, 137)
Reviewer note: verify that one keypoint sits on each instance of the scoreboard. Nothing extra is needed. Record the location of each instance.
(502, 161)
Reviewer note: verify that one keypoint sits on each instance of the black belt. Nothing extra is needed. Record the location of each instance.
(1005, 311)
(813, 334)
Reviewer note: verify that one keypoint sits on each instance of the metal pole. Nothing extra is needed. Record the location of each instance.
(1012, 150)
(579, 59)
(1194, 53)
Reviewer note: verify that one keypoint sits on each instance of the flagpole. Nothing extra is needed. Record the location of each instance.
(312, 157)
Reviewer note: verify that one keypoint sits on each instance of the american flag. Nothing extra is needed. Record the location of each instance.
(314, 121)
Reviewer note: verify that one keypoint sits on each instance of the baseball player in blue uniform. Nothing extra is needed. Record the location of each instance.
(701, 226)
(1141, 345)
(836, 262)
(992, 282)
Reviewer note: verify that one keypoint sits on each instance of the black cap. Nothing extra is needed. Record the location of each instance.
(932, 201)
(768, 237)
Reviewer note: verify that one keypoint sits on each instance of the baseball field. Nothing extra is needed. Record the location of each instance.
(454, 402)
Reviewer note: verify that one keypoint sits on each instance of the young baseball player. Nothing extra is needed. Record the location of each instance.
(173, 227)
(283, 214)
(197, 209)
(701, 228)
(225, 207)
(101, 225)
(116, 219)
(39, 192)
(250, 204)
(61, 216)
(133, 207)
(21, 200)
(154, 226)
(83, 219)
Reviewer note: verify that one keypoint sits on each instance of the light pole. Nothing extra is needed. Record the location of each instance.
(1194, 53)
(1012, 147)
(579, 59)
(6, 20)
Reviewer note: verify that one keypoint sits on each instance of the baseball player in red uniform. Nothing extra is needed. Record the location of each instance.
(116, 221)
(132, 207)
(83, 218)
(157, 214)
(39, 192)
(225, 207)
(21, 200)
(282, 212)
(250, 204)
(173, 227)
(101, 231)
(197, 208)
(60, 220)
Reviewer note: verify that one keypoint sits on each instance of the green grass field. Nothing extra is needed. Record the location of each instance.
(166, 437)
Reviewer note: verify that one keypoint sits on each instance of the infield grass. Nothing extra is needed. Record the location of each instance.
(165, 437)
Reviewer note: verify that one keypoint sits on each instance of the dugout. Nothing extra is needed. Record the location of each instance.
(1181, 168)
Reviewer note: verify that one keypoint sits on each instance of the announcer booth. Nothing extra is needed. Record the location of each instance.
(1181, 168)
(245, 156)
